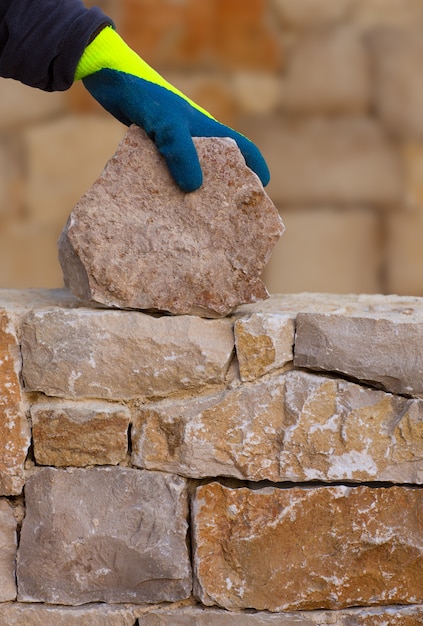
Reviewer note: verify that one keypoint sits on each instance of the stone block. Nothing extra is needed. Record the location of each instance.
(8, 547)
(103, 535)
(257, 93)
(327, 73)
(200, 616)
(114, 355)
(309, 13)
(381, 346)
(308, 427)
(28, 255)
(404, 252)
(264, 343)
(336, 250)
(14, 109)
(17, 613)
(397, 59)
(63, 158)
(369, 16)
(307, 548)
(80, 434)
(14, 428)
(11, 174)
(328, 161)
(191, 35)
(154, 247)
(219, 435)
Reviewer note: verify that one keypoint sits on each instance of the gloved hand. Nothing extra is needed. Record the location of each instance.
(134, 93)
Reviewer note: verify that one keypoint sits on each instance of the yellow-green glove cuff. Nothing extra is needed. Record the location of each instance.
(109, 51)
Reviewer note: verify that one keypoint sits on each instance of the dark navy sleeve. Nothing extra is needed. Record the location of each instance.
(41, 41)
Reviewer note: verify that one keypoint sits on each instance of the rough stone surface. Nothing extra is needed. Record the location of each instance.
(382, 346)
(264, 342)
(17, 614)
(308, 548)
(135, 240)
(89, 433)
(8, 546)
(14, 429)
(103, 535)
(122, 354)
(196, 616)
(217, 435)
(308, 427)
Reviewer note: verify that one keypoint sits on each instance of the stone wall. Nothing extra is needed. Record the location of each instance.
(330, 90)
(263, 468)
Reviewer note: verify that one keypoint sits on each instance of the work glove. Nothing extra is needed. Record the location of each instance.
(134, 93)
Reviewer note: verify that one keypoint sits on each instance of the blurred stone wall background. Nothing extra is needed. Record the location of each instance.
(330, 90)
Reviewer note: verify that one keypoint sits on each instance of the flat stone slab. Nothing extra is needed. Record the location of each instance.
(110, 354)
(197, 616)
(309, 427)
(104, 535)
(135, 240)
(19, 613)
(307, 548)
(381, 346)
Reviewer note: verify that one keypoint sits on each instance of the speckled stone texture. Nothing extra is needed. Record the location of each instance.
(308, 548)
(135, 240)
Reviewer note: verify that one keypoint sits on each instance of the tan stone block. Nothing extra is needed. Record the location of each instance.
(14, 109)
(264, 342)
(307, 548)
(28, 255)
(307, 427)
(63, 158)
(397, 58)
(327, 161)
(326, 250)
(256, 93)
(380, 346)
(404, 226)
(19, 613)
(90, 433)
(370, 15)
(8, 544)
(200, 616)
(217, 435)
(14, 428)
(309, 13)
(337, 430)
(110, 354)
(327, 72)
(11, 174)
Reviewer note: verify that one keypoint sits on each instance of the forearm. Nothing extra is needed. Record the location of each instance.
(41, 41)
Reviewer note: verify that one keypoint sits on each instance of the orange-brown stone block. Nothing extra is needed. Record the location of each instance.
(14, 429)
(222, 33)
(90, 433)
(308, 548)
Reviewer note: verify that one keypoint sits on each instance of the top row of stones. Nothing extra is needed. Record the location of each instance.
(72, 351)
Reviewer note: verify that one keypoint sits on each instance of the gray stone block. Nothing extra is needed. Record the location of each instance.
(104, 535)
